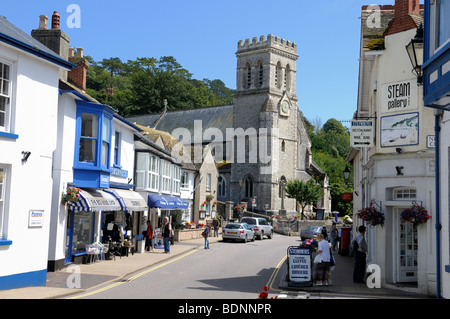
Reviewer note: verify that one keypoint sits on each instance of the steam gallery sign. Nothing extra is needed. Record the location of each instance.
(362, 133)
(399, 96)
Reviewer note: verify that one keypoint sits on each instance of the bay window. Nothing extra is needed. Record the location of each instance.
(166, 177)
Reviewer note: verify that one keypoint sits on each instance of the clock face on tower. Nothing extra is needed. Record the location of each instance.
(285, 108)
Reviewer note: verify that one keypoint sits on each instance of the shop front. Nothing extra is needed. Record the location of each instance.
(109, 216)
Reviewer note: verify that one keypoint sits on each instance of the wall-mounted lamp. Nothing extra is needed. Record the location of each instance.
(399, 170)
(346, 174)
(415, 53)
(25, 156)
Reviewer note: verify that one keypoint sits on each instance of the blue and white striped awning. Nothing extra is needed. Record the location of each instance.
(95, 200)
(129, 200)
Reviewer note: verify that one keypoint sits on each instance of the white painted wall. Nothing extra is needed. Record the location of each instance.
(29, 185)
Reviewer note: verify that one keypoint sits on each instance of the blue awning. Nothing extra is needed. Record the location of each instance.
(166, 202)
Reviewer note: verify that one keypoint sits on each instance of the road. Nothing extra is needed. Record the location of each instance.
(228, 270)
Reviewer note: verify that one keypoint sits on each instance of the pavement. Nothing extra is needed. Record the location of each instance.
(64, 283)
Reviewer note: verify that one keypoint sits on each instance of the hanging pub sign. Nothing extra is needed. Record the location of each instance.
(399, 96)
(347, 197)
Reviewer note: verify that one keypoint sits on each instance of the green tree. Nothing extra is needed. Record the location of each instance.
(305, 193)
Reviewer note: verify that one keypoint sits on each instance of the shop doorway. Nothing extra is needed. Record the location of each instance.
(407, 245)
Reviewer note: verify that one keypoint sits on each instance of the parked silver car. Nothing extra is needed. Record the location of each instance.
(311, 232)
(238, 231)
(260, 225)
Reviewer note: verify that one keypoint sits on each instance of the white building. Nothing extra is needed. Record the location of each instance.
(398, 170)
(28, 126)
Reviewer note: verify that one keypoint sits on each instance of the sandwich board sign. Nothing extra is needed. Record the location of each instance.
(362, 133)
(300, 266)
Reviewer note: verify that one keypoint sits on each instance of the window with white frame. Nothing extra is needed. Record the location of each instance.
(166, 177)
(117, 142)
(147, 171)
(153, 173)
(2, 199)
(404, 193)
(176, 179)
(5, 96)
(184, 180)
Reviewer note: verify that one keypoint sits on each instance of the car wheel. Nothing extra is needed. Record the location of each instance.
(253, 237)
(262, 235)
(246, 238)
(270, 235)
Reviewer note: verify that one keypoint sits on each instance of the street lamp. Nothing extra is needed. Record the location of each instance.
(415, 53)
(346, 174)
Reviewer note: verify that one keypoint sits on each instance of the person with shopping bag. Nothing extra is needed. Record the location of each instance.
(322, 262)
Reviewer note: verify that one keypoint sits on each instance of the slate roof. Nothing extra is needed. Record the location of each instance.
(220, 117)
(12, 35)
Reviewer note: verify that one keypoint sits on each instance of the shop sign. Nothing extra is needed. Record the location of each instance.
(299, 264)
(347, 197)
(362, 133)
(36, 218)
(399, 96)
(119, 172)
(430, 141)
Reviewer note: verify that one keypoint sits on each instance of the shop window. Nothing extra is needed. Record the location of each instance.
(5, 96)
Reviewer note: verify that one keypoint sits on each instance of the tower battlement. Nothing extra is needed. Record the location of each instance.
(271, 41)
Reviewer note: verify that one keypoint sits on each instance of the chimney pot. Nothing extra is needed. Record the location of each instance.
(55, 20)
(43, 22)
(80, 52)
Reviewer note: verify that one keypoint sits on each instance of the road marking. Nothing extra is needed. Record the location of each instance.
(134, 277)
(274, 274)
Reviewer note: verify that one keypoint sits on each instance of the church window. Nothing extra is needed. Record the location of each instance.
(248, 186)
(249, 75)
(221, 186)
(287, 77)
(278, 75)
(260, 74)
(283, 146)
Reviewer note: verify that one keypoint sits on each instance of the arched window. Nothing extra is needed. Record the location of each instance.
(248, 69)
(287, 78)
(248, 186)
(283, 146)
(221, 190)
(278, 75)
(260, 74)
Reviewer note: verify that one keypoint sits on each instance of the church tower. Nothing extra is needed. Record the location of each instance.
(268, 129)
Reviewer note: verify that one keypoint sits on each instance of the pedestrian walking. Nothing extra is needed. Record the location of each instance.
(324, 233)
(167, 233)
(149, 236)
(206, 235)
(322, 262)
(216, 227)
(359, 245)
(333, 235)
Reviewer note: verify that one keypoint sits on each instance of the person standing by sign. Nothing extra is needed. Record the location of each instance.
(322, 267)
(360, 248)
(167, 233)
(216, 227)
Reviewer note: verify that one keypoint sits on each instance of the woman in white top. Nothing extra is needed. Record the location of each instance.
(323, 267)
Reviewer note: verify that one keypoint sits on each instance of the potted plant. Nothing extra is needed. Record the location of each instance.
(416, 215)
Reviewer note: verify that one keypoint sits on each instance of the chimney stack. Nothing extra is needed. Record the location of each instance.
(55, 39)
(78, 75)
(403, 12)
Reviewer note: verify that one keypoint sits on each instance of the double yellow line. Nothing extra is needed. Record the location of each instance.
(133, 277)
(274, 275)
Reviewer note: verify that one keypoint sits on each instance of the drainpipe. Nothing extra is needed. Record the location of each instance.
(437, 128)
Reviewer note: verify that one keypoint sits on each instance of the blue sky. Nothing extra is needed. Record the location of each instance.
(203, 34)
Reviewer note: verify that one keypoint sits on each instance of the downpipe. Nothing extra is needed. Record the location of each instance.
(437, 129)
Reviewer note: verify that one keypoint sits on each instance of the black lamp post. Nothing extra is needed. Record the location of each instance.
(415, 53)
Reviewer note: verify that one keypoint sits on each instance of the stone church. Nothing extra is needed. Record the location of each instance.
(260, 142)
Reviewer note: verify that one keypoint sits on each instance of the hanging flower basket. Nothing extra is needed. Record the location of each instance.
(209, 197)
(72, 194)
(416, 215)
(371, 216)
